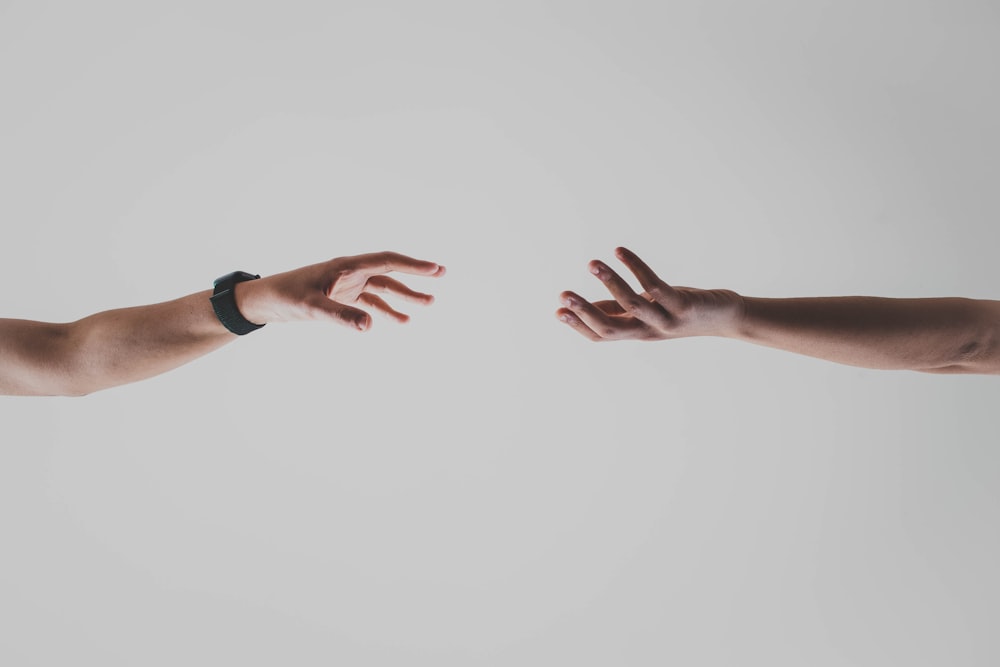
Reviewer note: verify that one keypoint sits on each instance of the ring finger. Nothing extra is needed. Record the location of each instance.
(379, 304)
(569, 317)
(385, 285)
(596, 319)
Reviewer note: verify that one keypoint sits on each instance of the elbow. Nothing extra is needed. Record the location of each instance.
(980, 354)
(966, 356)
(979, 350)
(977, 354)
(969, 351)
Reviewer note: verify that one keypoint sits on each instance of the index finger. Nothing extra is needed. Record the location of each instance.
(645, 275)
(647, 311)
(661, 292)
(386, 262)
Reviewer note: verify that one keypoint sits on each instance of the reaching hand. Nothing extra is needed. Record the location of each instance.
(330, 290)
(660, 312)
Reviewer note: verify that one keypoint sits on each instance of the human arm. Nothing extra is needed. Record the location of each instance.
(125, 345)
(940, 335)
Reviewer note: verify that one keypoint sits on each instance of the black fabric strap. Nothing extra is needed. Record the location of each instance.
(224, 303)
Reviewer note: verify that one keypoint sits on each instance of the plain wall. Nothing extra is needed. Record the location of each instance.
(482, 486)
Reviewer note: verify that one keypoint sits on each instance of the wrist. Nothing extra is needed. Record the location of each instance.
(251, 301)
(746, 322)
(732, 316)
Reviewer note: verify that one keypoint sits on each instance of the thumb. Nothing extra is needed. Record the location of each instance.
(335, 311)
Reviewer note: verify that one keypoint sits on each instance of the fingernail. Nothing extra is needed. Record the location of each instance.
(567, 301)
(564, 318)
(596, 270)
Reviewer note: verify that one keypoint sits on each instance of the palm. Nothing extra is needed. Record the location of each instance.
(348, 286)
(657, 313)
(693, 311)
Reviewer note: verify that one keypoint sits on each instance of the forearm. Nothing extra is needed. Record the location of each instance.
(120, 346)
(110, 348)
(934, 335)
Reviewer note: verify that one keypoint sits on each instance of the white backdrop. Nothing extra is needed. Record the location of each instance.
(482, 486)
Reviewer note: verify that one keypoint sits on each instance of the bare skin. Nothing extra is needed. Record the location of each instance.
(126, 345)
(943, 335)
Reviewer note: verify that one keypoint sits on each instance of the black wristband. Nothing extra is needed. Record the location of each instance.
(224, 303)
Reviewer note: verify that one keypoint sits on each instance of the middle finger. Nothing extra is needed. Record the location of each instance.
(632, 303)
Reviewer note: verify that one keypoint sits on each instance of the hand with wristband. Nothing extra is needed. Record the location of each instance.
(335, 291)
(936, 335)
(126, 345)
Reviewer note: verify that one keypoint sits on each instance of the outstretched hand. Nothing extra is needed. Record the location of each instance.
(338, 290)
(658, 313)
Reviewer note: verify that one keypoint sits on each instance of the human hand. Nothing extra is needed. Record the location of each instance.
(659, 313)
(329, 290)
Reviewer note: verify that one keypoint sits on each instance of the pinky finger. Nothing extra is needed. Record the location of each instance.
(570, 318)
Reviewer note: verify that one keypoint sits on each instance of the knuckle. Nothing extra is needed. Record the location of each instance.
(661, 292)
(634, 305)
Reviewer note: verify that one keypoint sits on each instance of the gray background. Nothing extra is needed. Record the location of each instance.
(483, 486)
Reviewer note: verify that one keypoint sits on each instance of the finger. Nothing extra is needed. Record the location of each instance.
(610, 307)
(386, 262)
(631, 303)
(328, 309)
(597, 320)
(385, 285)
(661, 292)
(574, 322)
(378, 304)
